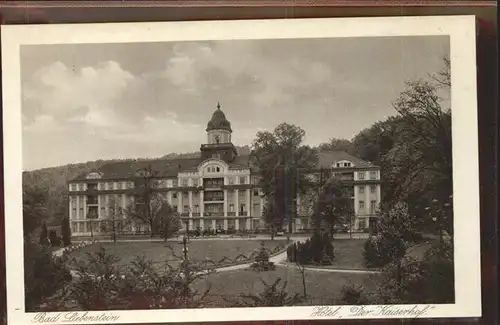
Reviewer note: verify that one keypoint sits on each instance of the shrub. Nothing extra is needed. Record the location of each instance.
(271, 296)
(383, 249)
(262, 262)
(353, 295)
(316, 250)
(55, 241)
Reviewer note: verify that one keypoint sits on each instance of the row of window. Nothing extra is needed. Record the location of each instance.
(161, 184)
(373, 206)
(344, 164)
(373, 175)
(213, 208)
(373, 189)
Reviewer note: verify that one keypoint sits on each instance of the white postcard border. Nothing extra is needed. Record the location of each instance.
(460, 29)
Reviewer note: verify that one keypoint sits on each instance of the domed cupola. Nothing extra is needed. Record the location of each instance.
(219, 121)
(219, 143)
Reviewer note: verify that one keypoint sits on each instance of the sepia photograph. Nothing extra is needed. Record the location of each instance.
(215, 166)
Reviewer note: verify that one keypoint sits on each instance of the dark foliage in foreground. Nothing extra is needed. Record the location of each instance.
(271, 296)
(43, 274)
(101, 284)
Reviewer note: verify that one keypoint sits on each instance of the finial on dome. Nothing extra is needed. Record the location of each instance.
(218, 105)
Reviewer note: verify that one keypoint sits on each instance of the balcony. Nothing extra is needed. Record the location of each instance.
(214, 185)
(213, 199)
(214, 214)
(196, 214)
(217, 145)
(231, 214)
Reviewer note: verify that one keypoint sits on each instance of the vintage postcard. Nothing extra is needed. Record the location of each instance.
(241, 170)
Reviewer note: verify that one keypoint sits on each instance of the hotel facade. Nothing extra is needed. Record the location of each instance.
(216, 190)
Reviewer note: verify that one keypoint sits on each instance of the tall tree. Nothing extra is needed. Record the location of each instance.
(152, 209)
(115, 220)
(34, 210)
(272, 217)
(169, 220)
(281, 159)
(419, 166)
(337, 144)
(334, 204)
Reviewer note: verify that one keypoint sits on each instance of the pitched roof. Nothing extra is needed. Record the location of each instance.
(172, 166)
(163, 167)
(327, 158)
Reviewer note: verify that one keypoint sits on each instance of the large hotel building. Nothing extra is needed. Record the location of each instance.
(216, 190)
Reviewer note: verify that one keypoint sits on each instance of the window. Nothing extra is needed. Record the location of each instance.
(242, 180)
(362, 224)
(255, 192)
(361, 205)
(184, 182)
(373, 189)
(218, 169)
(361, 190)
(338, 164)
(174, 195)
(231, 208)
(241, 193)
(196, 208)
(373, 175)
(230, 180)
(373, 206)
(174, 207)
(242, 208)
(347, 164)
(186, 209)
(361, 175)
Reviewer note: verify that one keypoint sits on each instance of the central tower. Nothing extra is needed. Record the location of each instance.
(219, 143)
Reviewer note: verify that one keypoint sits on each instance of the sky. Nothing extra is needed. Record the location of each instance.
(83, 102)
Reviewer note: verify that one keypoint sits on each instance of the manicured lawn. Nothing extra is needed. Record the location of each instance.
(325, 287)
(348, 254)
(200, 250)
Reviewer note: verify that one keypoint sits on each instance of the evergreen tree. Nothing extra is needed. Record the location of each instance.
(44, 240)
(66, 231)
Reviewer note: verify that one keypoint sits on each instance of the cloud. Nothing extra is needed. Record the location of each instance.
(120, 107)
(69, 94)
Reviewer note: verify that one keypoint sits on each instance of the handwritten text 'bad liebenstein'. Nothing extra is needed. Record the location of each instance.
(73, 317)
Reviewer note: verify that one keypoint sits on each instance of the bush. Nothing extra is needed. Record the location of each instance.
(353, 295)
(262, 262)
(383, 249)
(316, 250)
(55, 241)
(271, 296)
